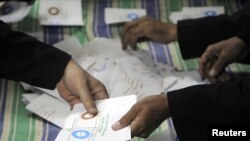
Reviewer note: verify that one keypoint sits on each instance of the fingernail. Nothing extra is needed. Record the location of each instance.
(87, 116)
(116, 126)
(212, 73)
(93, 110)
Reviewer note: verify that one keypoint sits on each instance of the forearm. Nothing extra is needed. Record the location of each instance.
(24, 58)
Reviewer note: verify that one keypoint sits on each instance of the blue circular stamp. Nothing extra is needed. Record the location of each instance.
(210, 13)
(80, 134)
(133, 16)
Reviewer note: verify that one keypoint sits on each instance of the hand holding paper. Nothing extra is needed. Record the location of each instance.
(80, 125)
(145, 116)
(77, 85)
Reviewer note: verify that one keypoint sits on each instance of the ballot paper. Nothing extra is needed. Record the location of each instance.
(97, 127)
(196, 12)
(27, 98)
(50, 108)
(119, 15)
(79, 125)
(60, 12)
(174, 80)
(13, 11)
(120, 72)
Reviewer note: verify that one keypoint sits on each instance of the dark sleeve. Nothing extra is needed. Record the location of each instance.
(244, 34)
(194, 108)
(194, 35)
(23, 58)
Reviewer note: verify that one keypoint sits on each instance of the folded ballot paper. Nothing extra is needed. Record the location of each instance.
(196, 12)
(13, 11)
(60, 12)
(120, 15)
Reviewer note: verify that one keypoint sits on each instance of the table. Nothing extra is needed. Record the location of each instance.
(17, 124)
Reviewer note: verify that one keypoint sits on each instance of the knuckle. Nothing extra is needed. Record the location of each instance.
(144, 135)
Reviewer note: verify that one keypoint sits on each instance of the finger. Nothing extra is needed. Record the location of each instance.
(99, 92)
(217, 67)
(144, 135)
(126, 33)
(134, 38)
(74, 101)
(134, 23)
(125, 120)
(138, 32)
(130, 29)
(87, 99)
(99, 96)
(205, 60)
(136, 127)
(202, 66)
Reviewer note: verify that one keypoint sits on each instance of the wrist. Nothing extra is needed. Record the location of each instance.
(165, 105)
(172, 32)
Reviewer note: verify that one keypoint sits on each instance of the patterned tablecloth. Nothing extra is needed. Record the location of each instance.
(17, 124)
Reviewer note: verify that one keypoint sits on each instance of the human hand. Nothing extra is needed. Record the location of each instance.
(145, 116)
(149, 28)
(220, 54)
(77, 85)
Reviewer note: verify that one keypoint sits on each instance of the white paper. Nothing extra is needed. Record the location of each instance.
(121, 72)
(50, 108)
(29, 97)
(98, 128)
(119, 15)
(60, 12)
(196, 12)
(14, 11)
(186, 79)
(132, 76)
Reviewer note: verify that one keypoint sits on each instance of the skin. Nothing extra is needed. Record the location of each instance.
(147, 114)
(217, 56)
(150, 28)
(77, 86)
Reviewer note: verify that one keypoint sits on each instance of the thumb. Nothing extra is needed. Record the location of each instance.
(217, 67)
(124, 121)
(87, 100)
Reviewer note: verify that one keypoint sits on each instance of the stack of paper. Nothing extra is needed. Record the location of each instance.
(196, 12)
(122, 73)
(60, 12)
